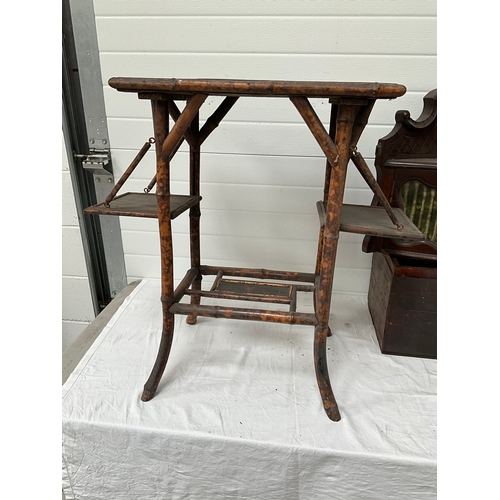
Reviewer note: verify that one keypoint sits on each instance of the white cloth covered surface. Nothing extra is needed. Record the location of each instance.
(238, 414)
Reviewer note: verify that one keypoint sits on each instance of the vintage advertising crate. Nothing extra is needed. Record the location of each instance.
(402, 300)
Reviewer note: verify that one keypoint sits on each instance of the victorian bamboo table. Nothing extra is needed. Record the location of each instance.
(351, 104)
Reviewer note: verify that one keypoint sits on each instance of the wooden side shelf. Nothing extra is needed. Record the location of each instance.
(372, 220)
(143, 205)
(368, 220)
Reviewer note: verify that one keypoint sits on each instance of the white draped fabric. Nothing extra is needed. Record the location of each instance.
(238, 414)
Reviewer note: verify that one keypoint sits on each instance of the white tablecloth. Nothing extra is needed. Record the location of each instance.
(238, 414)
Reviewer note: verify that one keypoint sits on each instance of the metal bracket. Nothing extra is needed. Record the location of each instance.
(96, 161)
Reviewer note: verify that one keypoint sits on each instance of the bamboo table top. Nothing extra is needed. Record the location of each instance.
(273, 88)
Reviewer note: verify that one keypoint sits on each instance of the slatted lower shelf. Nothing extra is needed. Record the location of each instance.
(273, 292)
(244, 290)
(255, 291)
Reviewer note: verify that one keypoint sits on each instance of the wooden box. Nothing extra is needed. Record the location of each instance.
(402, 300)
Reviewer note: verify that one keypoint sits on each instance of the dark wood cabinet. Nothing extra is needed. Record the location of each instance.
(402, 294)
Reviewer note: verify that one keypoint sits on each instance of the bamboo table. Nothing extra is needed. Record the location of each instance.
(351, 104)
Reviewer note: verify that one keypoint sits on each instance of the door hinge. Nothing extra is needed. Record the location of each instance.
(96, 161)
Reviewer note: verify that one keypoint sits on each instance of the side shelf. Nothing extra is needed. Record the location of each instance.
(372, 220)
(143, 205)
(369, 220)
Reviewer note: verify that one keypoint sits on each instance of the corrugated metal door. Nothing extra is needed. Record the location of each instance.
(86, 137)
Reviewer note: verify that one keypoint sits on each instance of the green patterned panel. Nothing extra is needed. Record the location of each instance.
(420, 205)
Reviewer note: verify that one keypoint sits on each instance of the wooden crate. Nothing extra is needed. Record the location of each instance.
(402, 300)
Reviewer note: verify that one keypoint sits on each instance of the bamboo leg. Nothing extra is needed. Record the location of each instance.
(161, 127)
(326, 188)
(329, 331)
(321, 367)
(338, 154)
(194, 213)
(167, 336)
(166, 142)
(328, 173)
(334, 207)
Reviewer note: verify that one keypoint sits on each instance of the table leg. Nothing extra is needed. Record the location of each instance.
(322, 377)
(324, 284)
(194, 213)
(161, 130)
(167, 336)
(166, 143)
(328, 173)
(337, 153)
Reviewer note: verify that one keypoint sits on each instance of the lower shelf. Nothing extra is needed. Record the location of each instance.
(143, 205)
(244, 290)
(255, 290)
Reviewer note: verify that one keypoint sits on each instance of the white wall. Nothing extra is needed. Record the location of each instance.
(77, 309)
(262, 171)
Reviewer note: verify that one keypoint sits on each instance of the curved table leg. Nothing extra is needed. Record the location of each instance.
(167, 336)
(320, 365)
(337, 154)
